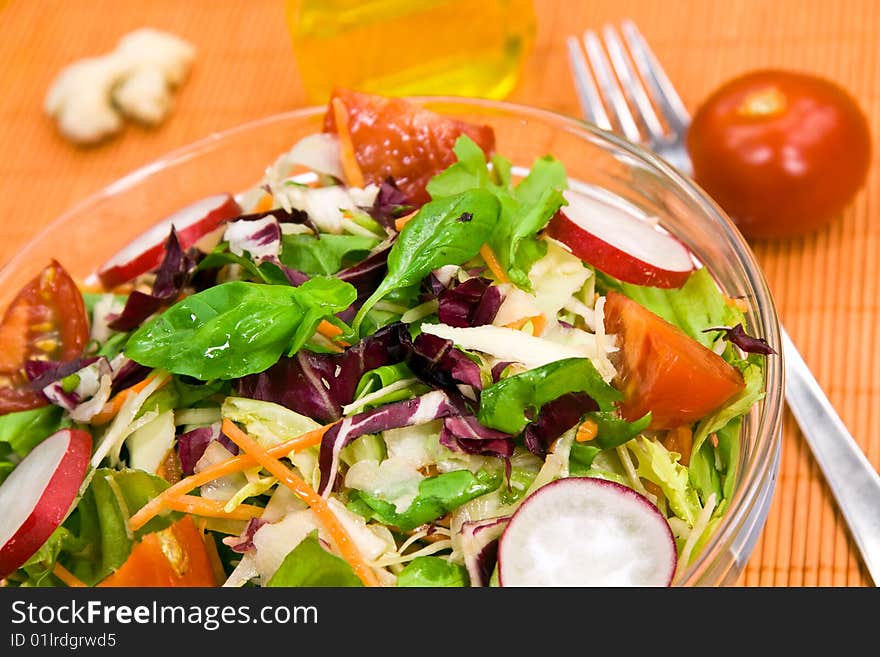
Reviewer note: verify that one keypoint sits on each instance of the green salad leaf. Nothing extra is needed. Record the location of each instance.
(612, 432)
(447, 231)
(662, 467)
(308, 564)
(433, 572)
(438, 495)
(21, 431)
(503, 406)
(325, 255)
(95, 539)
(525, 208)
(237, 328)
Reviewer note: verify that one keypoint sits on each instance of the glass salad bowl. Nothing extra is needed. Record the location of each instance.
(601, 165)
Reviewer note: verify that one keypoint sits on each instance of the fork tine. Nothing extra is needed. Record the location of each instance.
(632, 87)
(591, 103)
(609, 87)
(661, 88)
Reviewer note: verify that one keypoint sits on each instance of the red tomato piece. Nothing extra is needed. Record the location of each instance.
(663, 370)
(175, 556)
(397, 138)
(781, 152)
(46, 320)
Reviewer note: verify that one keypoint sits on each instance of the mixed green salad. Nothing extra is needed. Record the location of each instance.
(363, 371)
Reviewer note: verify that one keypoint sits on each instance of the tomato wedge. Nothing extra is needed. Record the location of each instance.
(663, 370)
(46, 321)
(394, 137)
(175, 556)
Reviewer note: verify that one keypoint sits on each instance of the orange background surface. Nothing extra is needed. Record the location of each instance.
(825, 285)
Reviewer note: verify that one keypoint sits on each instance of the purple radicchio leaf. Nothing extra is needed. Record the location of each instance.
(191, 445)
(738, 336)
(282, 216)
(172, 275)
(437, 362)
(88, 383)
(410, 412)
(41, 373)
(554, 419)
(127, 373)
(479, 547)
(472, 303)
(245, 542)
(464, 433)
(498, 369)
(261, 238)
(365, 276)
(319, 385)
(390, 203)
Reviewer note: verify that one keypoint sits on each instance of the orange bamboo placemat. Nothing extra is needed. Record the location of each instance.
(826, 285)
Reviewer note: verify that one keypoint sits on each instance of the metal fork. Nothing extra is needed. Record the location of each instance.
(634, 102)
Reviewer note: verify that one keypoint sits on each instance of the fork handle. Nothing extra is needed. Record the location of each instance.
(851, 477)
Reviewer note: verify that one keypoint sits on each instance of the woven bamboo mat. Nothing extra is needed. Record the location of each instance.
(825, 285)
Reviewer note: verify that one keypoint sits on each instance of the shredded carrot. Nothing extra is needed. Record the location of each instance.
(67, 577)
(331, 332)
(236, 464)
(737, 303)
(587, 431)
(199, 506)
(307, 494)
(400, 222)
(111, 408)
(350, 167)
(539, 323)
(493, 264)
(265, 203)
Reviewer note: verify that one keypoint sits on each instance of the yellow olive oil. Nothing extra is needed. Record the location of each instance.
(410, 47)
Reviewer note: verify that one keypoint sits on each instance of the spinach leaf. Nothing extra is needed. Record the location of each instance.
(308, 564)
(504, 405)
(237, 328)
(447, 231)
(525, 208)
(437, 496)
(23, 430)
(326, 255)
(432, 572)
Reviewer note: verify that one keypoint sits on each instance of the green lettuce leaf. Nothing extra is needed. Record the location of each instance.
(662, 467)
(437, 496)
(21, 431)
(504, 405)
(309, 564)
(446, 231)
(612, 431)
(433, 572)
(525, 208)
(326, 255)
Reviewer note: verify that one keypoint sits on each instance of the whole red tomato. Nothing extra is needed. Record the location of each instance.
(781, 152)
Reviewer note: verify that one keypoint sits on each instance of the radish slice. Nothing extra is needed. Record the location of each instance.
(620, 244)
(583, 531)
(145, 252)
(36, 497)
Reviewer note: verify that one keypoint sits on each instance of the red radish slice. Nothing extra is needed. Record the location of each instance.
(145, 251)
(620, 244)
(583, 531)
(36, 497)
